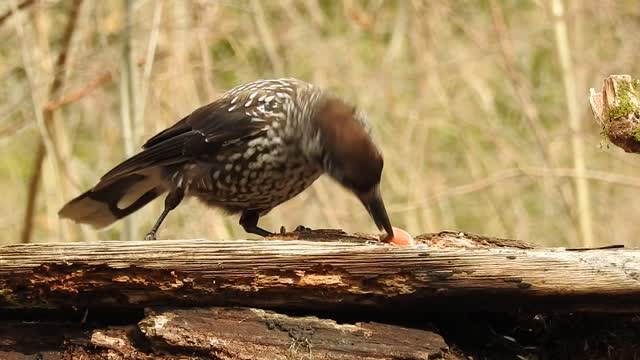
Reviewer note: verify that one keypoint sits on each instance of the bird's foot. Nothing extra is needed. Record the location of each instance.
(302, 228)
(150, 236)
(259, 231)
(298, 229)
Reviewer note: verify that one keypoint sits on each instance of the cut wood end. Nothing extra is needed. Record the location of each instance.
(617, 111)
(595, 99)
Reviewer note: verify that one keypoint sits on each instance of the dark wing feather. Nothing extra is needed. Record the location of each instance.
(199, 134)
(178, 128)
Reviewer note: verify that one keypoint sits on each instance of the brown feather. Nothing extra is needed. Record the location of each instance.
(349, 145)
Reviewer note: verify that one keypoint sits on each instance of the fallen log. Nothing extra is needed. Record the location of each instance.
(259, 334)
(445, 271)
(223, 333)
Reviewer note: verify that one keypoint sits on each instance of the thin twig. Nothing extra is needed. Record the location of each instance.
(128, 105)
(10, 12)
(148, 66)
(528, 106)
(314, 10)
(399, 34)
(530, 171)
(56, 85)
(53, 105)
(524, 97)
(577, 143)
(266, 35)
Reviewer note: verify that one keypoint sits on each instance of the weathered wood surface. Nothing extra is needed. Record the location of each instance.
(259, 334)
(319, 275)
(223, 333)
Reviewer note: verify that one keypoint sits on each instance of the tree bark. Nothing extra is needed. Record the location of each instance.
(225, 334)
(343, 273)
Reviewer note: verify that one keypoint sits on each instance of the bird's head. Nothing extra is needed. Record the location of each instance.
(347, 153)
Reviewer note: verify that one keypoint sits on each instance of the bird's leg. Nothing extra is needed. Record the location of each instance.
(170, 202)
(249, 222)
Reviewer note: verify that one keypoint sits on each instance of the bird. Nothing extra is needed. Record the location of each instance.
(258, 145)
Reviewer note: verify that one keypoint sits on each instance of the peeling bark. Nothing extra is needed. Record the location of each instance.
(259, 334)
(228, 333)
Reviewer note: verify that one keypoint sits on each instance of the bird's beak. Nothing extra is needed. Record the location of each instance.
(375, 206)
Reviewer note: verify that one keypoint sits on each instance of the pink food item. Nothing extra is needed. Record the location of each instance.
(400, 238)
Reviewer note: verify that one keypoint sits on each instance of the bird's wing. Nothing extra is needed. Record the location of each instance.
(201, 133)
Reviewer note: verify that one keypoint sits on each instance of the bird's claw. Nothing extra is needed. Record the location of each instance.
(299, 228)
(150, 236)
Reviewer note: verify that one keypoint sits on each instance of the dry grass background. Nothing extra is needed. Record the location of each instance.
(480, 107)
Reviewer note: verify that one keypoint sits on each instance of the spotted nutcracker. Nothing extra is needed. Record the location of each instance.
(257, 146)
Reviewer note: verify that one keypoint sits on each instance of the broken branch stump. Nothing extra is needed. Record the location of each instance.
(617, 110)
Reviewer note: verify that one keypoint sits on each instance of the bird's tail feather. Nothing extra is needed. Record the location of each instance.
(108, 202)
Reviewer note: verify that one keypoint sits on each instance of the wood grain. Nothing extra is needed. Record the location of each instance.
(316, 275)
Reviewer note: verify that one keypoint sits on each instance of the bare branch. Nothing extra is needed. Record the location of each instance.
(80, 93)
(24, 4)
(56, 85)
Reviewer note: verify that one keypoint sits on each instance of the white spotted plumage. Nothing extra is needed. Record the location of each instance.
(260, 172)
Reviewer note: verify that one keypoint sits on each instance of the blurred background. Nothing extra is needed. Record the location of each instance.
(480, 108)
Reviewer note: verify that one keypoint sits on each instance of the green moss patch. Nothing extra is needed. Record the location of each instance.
(625, 106)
